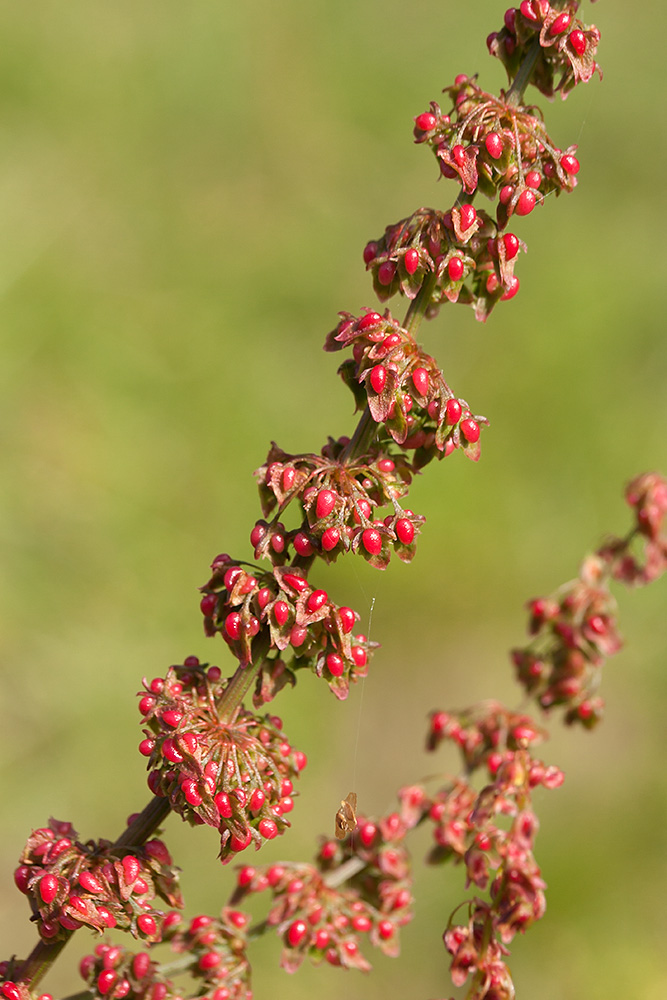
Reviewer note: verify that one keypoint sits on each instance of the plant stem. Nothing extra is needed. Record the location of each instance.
(40, 960)
(514, 96)
(419, 305)
(145, 824)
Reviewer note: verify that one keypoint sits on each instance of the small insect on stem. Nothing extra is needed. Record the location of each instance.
(346, 817)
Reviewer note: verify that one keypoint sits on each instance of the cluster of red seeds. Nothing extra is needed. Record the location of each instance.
(316, 919)
(482, 733)
(291, 613)
(647, 495)
(574, 631)
(567, 47)
(339, 501)
(405, 390)
(70, 884)
(490, 831)
(455, 252)
(504, 151)
(115, 973)
(11, 990)
(216, 950)
(476, 954)
(236, 776)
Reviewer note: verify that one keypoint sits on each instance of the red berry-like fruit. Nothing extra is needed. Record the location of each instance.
(411, 260)
(257, 800)
(90, 882)
(268, 828)
(146, 924)
(362, 509)
(511, 246)
(330, 539)
(359, 655)
(468, 216)
(470, 430)
(146, 747)
(209, 960)
(347, 618)
(494, 145)
(335, 665)
(317, 600)
(526, 202)
(371, 539)
(239, 843)
(223, 804)
(510, 292)
(420, 380)
(302, 545)
(378, 378)
(370, 252)
(367, 832)
(370, 319)
(207, 604)
(454, 411)
(506, 193)
(295, 582)
(386, 272)
(455, 269)
(296, 932)
(405, 530)
(191, 792)
(257, 534)
(426, 122)
(533, 179)
(570, 164)
(577, 40)
(528, 10)
(105, 981)
(561, 24)
(131, 868)
(385, 929)
(21, 876)
(326, 501)
(289, 475)
(48, 887)
(172, 717)
(141, 964)
(233, 625)
(459, 154)
(281, 612)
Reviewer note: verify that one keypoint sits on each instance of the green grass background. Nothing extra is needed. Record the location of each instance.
(185, 191)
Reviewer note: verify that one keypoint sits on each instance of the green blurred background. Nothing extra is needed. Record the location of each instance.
(185, 191)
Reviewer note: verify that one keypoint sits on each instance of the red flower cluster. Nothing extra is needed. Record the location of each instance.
(491, 831)
(282, 610)
(487, 143)
(340, 501)
(236, 775)
(316, 919)
(405, 390)
(70, 884)
(647, 495)
(574, 631)
(566, 46)
(216, 958)
(12, 990)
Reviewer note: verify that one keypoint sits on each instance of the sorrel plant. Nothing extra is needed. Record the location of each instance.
(216, 756)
